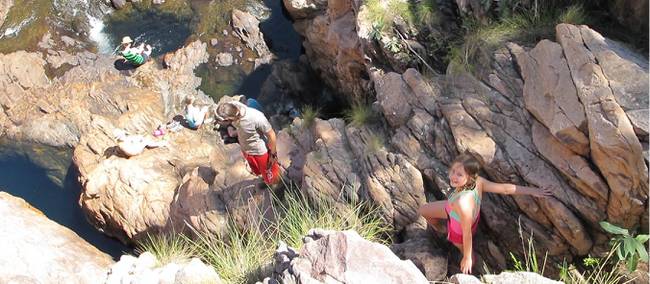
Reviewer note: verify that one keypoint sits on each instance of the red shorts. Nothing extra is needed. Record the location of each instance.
(259, 166)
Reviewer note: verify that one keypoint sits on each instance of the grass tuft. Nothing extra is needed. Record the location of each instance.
(359, 114)
(167, 248)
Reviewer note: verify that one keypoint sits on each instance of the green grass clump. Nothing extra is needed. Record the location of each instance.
(359, 114)
(298, 215)
(309, 115)
(167, 248)
(530, 25)
(237, 257)
(243, 253)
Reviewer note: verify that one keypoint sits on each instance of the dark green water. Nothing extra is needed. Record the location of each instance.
(164, 31)
(45, 178)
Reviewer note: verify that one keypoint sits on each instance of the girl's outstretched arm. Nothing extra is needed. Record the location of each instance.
(507, 188)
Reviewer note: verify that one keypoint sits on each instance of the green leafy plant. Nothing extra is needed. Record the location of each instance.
(375, 32)
(393, 44)
(591, 261)
(599, 270)
(530, 261)
(629, 248)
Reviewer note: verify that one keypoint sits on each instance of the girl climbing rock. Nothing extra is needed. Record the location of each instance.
(462, 208)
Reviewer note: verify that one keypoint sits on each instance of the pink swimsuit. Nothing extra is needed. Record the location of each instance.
(454, 230)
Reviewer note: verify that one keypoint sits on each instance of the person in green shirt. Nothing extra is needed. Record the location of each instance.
(135, 55)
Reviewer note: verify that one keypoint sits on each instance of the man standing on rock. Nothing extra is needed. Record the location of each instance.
(251, 125)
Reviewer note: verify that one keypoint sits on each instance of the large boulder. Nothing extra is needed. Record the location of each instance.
(331, 43)
(247, 28)
(147, 269)
(339, 163)
(615, 149)
(559, 115)
(38, 250)
(521, 277)
(344, 257)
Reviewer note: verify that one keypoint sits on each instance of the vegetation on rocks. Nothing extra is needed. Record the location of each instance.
(529, 25)
(245, 253)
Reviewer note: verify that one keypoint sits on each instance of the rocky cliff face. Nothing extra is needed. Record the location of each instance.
(38, 250)
(558, 115)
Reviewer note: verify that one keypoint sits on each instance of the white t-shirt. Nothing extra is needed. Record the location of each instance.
(195, 115)
(249, 130)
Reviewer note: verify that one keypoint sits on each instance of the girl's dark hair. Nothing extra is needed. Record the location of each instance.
(471, 167)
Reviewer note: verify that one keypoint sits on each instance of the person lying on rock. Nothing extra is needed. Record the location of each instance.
(462, 208)
(133, 145)
(251, 125)
(195, 114)
(135, 55)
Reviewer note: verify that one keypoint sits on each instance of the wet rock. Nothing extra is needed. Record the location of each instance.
(38, 250)
(331, 44)
(258, 10)
(145, 269)
(118, 4)
(224, 59)
(247, 28)
(301, 9)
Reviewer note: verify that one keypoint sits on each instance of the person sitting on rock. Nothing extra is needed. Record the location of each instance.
(250, 124)
(195, 115)
(135, 55)
(462, 208)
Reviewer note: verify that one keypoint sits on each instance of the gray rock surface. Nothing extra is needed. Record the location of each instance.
(38, 250)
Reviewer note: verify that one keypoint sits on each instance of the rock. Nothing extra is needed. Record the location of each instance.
(247, 28)
(632, 14)
(38, 250)
(421, 250)
(627, 73)
(158, 2)
(394, 105)
(345, 257)
(614, 146)
(224, 59)
(464, 279)
(518, 277)
(331, 43)
(118, 4)
(197, 272)
(5, 6)
(68, 41)
(26, 69)
(214, 42)
(301, 9)
(549, 94)
(335, 162)
(146, 269)
(259, 10)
